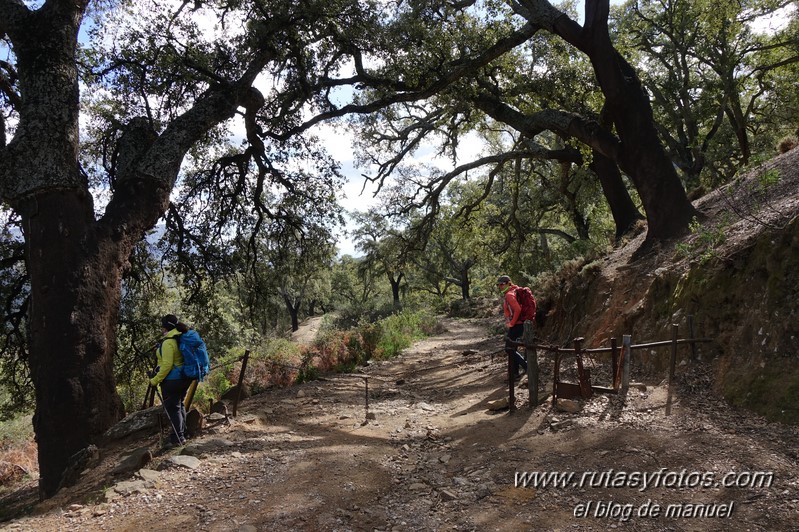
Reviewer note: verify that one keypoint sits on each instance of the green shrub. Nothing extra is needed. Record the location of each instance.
(706, 241)
(16, 431)
(400, 330)
(369, 334)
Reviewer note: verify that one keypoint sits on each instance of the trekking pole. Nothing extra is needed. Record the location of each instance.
(147, 395)
(177, 436)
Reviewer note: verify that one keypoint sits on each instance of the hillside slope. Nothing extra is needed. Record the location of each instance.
(737, 274)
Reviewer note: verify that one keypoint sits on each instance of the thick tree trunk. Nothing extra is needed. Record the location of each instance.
(622, 208)
(74, 274)
(75, 291)
(738, 123)
(641, 154)
(293, 309)
(74, 262)
(395, 290)
(463, 278)
(465, 287)
(75, 265)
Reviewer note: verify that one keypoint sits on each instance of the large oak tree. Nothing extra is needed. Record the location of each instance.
(162, 91)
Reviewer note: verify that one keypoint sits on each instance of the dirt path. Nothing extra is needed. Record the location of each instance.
(434, 458)
(308, 330)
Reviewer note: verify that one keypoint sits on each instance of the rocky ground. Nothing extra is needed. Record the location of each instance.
(429, 455)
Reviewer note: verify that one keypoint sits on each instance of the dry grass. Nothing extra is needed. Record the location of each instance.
(786, 144)
(18, 453)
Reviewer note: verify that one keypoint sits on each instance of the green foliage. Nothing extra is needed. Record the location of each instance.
(351, 315)
(16, 390)
(16, 431)
(17, 449)
(769, 178)
(307, 374)
(722, 92)
(705, 241)
(399, 331)
(346, 350)
(203, 397)
(216, 383)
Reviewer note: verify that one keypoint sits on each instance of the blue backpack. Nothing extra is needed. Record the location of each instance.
(195, 355)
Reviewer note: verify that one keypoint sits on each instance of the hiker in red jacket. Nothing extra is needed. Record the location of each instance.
(515, 316)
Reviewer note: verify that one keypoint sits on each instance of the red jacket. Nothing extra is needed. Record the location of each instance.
(512, 308)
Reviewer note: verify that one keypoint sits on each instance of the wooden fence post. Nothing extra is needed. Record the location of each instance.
(532, 362)
(626, 355)
(366, 399)
(582, 378)
(614, 363)
(555, 377)
(241, 381)
(511, 381)
(692, 337)
(672, 365)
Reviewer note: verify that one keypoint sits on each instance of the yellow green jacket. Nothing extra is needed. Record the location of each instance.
(169, 359)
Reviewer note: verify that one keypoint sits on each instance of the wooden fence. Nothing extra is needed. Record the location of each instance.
(620, 365)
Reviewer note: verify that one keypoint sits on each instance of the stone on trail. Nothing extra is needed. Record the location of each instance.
(498, 404)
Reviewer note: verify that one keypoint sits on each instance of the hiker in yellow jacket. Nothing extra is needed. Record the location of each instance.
(170, 377)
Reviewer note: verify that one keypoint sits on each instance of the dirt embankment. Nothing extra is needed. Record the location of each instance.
(737, 275)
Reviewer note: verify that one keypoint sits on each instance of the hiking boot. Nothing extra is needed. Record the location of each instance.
(172, 445)
(517, 376)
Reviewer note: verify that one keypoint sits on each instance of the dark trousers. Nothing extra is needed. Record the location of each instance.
(515, 333)
(174, 392)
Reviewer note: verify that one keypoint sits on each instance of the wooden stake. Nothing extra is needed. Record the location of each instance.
(614, 362)
(366, 396)
(555, 378)
(672, 365)
(626, 355)
(532, 362)
(241, 381)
